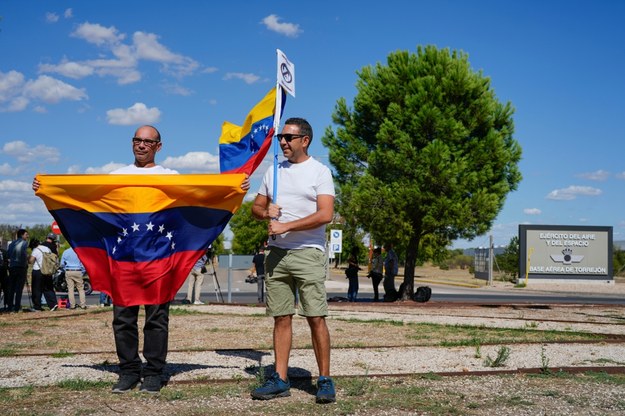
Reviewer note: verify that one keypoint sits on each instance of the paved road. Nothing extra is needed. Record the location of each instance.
(236, 290)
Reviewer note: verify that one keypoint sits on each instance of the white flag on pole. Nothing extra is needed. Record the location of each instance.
(286, 73)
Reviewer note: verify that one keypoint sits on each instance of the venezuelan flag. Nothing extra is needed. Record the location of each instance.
(139, 236)
(242, 148)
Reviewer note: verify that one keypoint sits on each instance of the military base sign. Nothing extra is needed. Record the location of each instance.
(562, 254)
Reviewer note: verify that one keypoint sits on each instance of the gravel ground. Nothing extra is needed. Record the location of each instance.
(93, 358)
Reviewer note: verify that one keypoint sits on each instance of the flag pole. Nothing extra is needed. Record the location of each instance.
(285, 81)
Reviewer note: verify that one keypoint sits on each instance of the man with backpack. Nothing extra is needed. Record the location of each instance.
(43, 259)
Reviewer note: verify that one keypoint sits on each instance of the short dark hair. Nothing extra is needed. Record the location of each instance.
(304, 126)
(21, 232)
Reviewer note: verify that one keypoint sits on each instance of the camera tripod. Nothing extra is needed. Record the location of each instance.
(218, 295)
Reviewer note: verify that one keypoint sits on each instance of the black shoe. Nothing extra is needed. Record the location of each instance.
(151, 384)
(125, 383)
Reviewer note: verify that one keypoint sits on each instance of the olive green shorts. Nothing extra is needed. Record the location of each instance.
(296, 270)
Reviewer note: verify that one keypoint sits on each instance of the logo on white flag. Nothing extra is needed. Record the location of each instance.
(286, 73)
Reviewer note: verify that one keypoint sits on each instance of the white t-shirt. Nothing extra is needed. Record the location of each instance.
(37, 253)
(299, 184)
(135, 170)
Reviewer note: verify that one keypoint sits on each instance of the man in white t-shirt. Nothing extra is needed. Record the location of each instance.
(296, 259)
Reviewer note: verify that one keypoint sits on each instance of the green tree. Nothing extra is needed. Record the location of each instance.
(618, 261)
(249, 233)
(508, 261)
(426, 154)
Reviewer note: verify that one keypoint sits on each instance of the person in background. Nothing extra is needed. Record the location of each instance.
(42, 284)
(297, 261)
(18, 266)
(377, 266)
(391, 268)
(195, 279)
(4, 276)
(259, 265)
(74, 272)
(352, 275)
(105, 300)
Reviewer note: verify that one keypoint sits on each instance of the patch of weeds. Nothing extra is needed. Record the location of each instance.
(171, 395)
(183, 312)
(605, 361)
(531, 325)
(552, 393)
(603, 377)
(478, 351)
(30, 333)
(430, 376)
(82, 384)
(259, 378)
(502, 356)
(62, 354)
(520, 285)
(356, 386)
(517, 401)
(377, 322)
(7, 352)
(544, 361)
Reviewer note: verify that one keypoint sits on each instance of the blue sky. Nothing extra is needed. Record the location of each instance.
(77, 78)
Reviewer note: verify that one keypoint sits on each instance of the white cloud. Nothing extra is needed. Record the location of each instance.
(11, 84)
(599, 175)
(25, 153)
(21, 207)
(176, 89)
(6, 169)
(75, 70)
(532, 211)
(139, 113)
(51, 90)
(9, 185)
(620, 175)
(52, 17)
(570, 193)
(148, 47)
(108, 168)
(68, 14)
(209, 70)
(247, 78)
(98, 34)
(272, 22)
(193, 161)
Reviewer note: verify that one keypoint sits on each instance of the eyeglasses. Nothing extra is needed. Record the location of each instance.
(136, 141)
(288, 137)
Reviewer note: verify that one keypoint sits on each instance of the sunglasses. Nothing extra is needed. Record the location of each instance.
(288, 137)
(136, 141)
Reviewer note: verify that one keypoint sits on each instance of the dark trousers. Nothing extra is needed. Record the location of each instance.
(390, 293)
(155, 338)
(4, 281)
(261, 288)
(376, 278)
(42, 285)
(352, 290)
(17, 280)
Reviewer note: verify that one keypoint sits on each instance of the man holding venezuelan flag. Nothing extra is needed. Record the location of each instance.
(138, 237)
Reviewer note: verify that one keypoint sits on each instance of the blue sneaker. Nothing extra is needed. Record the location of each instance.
(273, 388)
(325, 390)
